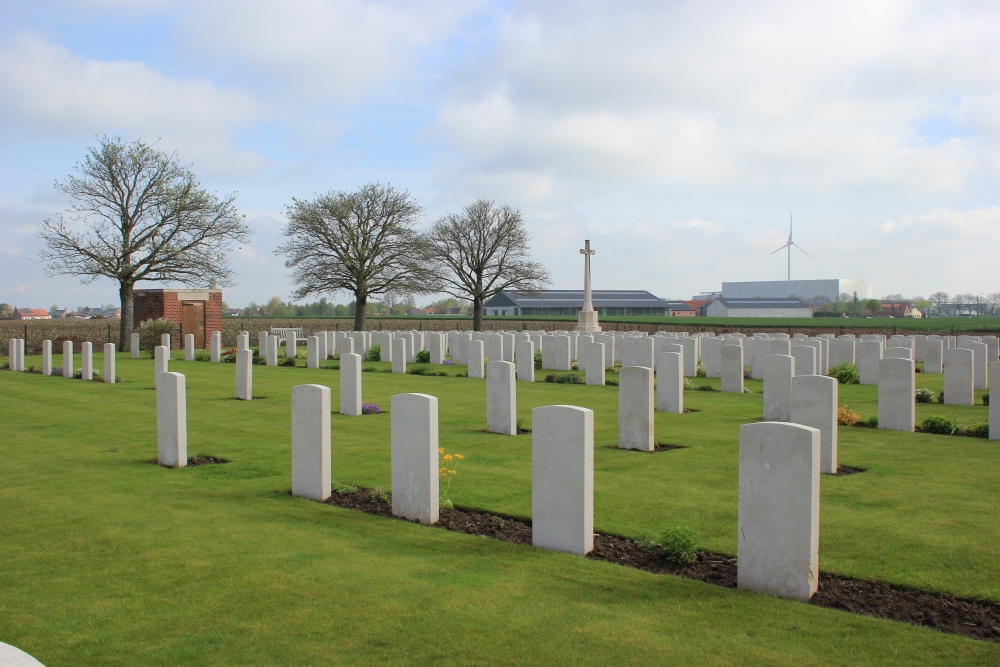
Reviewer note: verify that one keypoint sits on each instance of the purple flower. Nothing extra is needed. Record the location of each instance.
(448, 362)
(370, 409)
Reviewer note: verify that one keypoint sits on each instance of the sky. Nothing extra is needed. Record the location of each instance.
(679, 137)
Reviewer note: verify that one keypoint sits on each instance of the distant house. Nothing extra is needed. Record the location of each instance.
(681, 309)
(234, 312)
(758, 307)
(417, 311)
(31, 314)
(898, 309)
(699, 305)
(61, 313)
(112, 313)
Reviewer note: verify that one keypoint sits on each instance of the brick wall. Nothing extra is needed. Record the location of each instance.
(213, 316)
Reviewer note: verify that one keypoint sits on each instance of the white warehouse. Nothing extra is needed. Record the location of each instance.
(801, 289)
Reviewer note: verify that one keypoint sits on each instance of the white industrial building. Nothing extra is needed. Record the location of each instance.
(726, 307)
(806, 290)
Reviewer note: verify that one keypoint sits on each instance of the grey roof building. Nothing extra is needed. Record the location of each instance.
(758, 307)
(570, 302)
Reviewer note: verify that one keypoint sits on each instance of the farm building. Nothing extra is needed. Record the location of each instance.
(724, 307)
(197, 311)
(806, 290)
(570, 302)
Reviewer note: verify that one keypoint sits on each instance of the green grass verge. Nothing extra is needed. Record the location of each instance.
(108, 560)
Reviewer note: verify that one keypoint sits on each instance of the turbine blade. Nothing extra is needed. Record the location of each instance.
(780, 249)
(803, 251)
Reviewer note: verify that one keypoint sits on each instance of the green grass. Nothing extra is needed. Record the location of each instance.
(108, 560)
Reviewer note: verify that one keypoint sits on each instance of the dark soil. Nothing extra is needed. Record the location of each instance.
(202, 460)
(658, 447)
(961, 616)
(848, 470)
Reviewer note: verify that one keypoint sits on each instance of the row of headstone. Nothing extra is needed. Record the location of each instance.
(16, 362)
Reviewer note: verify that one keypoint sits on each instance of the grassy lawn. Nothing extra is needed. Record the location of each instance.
(108, 560)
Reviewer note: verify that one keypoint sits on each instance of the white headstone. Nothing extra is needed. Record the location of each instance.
(933, 355)
(415, 457)
(959, 381)
(272, 350)
(501, 398)
(399, 355)
(188, 347)
(161, 359)
(732, 369)
(165, 340)
(67, 359)
(562, 478)
(109, 363)
(171, 420)
(778, 531)
(869, 354)
(779, 369)
(244, 375)
(691, 355)
(311, 441)
(46, 357)
(805, 360)
(592, 360)
(134, 347)
(436, 346)
(216, 347)
(350, 384)
(896, 389)
(555, 353)
(474, 350)
(814, 403)
(670, 382)
(635, 408)
(312, 352)
(525, 361)
(995, 404)
(87, 360)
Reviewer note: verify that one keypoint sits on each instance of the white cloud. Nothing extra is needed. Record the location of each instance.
(818, 98)
(336, 50)
(51, 92)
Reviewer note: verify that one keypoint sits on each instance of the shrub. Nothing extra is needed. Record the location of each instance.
(940, 397)
(705, 387)
(374, 353)
(845, 373)
(871, 422)
(287, 362)
(420, 370)
(151, 330)
(423, 357)
(538, 359)
(700, 371)
(847, 417)
(340, 487)
(939, 425)
(986, 399)
(980, 430)
(611, 382)
(688, 384)
(924, 395)
(570, 378)
(677, 546)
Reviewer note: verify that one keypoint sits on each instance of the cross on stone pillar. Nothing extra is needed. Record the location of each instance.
(586, 252)
(587, 318)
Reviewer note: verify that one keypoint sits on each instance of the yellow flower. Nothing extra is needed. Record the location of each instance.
(447, 457)
(452, 472)
(459, 457)
(440, 450)
(443, 470)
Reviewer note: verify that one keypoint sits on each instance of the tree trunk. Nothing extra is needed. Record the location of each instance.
(127, 323)
(360, 311)
(477, 314)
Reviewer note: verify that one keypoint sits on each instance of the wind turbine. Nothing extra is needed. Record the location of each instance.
(789, 244)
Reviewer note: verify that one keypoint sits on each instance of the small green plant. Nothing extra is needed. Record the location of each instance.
(938, 425)
(986, 399)
(538, 359)
(611, 382)
(420, 370)
(845, 373)
(924, 395)
(871, 422)
(287, 362)
(570, 378)
(423, 357)
(340, 487)
(700, 370)
(151, 330)
(677, 545)
(940, 397)
(979, 430)
(374, 353)
(705, 387)
(688, 384)
(380, 496)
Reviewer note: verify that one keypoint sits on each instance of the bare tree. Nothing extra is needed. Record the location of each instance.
(993, 299)
(140, 215)
(481, 251)
(363, 242)
(938, 299)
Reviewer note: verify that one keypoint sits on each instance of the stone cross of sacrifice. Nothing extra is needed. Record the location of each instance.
(586, 252)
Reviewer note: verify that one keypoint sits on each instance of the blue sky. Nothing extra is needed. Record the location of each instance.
(676, 136)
